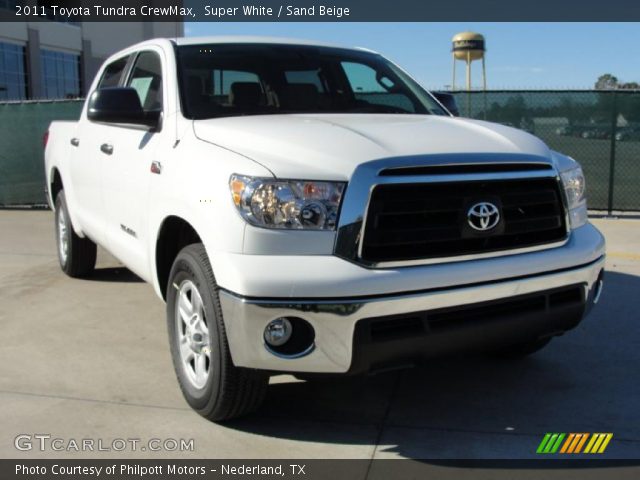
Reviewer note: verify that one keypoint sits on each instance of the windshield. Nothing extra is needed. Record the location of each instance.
(221, 80)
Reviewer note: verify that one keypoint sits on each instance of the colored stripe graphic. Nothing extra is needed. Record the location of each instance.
(550, 443)
(605, 443)
(581, 443)
(543, 443)
(565, 447)
(578, 442)
(574, 442)
(591, 442)
(556, 445)
(598, 443)
(573, 445)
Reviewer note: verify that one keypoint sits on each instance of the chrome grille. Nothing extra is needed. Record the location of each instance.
(412, 221)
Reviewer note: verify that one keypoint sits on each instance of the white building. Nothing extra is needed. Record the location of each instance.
(55, 59)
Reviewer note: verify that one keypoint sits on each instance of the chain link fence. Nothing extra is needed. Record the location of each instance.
(22, 127)
(601, 129)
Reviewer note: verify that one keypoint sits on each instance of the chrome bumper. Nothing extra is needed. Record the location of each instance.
(334, 320)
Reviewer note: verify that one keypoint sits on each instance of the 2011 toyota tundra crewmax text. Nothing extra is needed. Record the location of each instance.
(311, 209)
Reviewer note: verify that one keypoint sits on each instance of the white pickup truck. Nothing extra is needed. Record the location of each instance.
(311, 209)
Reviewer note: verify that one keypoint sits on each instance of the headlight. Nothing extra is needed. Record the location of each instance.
(575, 191)
(287, 204)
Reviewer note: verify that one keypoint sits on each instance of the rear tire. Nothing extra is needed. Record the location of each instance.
(77, 256)
(209, 381)
(522, 349)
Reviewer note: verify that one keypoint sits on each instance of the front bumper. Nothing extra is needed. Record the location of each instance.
(335, 321)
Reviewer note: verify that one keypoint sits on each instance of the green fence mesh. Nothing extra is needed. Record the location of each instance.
(22, 126)
(601, 129)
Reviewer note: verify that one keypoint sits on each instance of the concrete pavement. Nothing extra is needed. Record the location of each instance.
(90, 359)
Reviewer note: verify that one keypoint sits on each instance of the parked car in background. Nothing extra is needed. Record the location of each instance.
(627, 134)
(585, 131)
(448, 101)
(570, 130)
(596, 132)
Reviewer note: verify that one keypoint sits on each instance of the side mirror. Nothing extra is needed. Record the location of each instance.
(120, 105)
(448, 101)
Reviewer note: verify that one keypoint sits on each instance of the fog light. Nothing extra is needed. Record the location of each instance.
(278, 332)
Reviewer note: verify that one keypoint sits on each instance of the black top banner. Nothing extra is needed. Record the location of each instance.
(321, 10)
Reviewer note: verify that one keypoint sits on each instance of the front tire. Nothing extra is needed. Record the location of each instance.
(77, 256)
(209, 381)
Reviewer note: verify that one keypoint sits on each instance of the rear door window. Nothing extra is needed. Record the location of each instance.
(113, 73)
(146, 79)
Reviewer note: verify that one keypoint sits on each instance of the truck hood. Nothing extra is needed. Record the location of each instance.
(330, 147)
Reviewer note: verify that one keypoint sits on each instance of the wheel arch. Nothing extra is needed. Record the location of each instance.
(55, 186)
(174, 234)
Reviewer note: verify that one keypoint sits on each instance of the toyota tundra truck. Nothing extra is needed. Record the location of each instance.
(311, 209)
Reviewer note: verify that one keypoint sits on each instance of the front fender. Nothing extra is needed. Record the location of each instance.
(193, 186)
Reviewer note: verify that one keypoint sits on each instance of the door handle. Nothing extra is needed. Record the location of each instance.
(106, 148)
(75, 142)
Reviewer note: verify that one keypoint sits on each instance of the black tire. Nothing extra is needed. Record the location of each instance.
(229, 391)
(522, 349)
(80, 259)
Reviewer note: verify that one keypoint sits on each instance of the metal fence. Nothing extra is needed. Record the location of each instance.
(601, 129)
(22, 126)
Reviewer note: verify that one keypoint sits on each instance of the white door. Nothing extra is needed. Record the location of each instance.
(127, 170)
(86, 161)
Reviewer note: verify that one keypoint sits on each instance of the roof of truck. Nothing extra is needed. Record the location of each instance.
(258, 39)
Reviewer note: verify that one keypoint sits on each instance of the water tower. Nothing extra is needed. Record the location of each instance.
(468, 46)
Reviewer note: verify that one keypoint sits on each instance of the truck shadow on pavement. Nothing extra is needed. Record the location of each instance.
(481, 407)
(114, 274)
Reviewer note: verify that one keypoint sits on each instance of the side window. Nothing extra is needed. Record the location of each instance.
(362, 78)
(373, 88)
(222, 80)
(112, 73)
(146, 79)
(306, 76)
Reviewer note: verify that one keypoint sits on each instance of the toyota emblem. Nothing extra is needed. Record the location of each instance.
(483, 216)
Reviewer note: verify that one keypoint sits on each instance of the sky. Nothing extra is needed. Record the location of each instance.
(519, 55)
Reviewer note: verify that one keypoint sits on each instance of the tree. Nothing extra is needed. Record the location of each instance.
(628, 106)
(607, 82)
(513, 111)
(575, 112)
(611, 82)
(630, 85)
